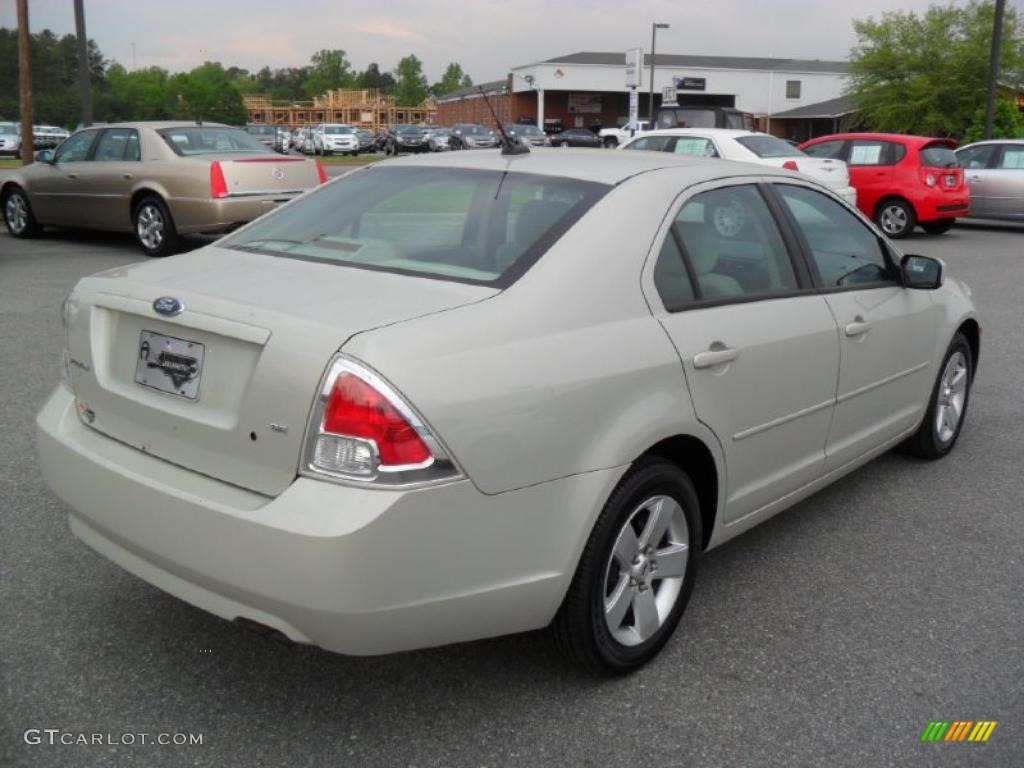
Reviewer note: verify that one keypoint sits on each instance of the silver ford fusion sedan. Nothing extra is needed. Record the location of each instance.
(450, 398)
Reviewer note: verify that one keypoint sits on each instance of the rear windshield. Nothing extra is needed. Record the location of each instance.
(475, 226)
(524, 130)
(769, 146)
(939, 156)
(200, 140)
(474, 130)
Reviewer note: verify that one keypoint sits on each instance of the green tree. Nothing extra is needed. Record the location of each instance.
(1007, 123)
(926, 74)
(205, 93)
(411, 88)
(372, 77)
(330, 69)
(452, 80)
(137, 95)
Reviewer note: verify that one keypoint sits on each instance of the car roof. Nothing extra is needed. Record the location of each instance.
(991, 141)
(725, 133)
(902, 138)
(158, 124)
(598, 165)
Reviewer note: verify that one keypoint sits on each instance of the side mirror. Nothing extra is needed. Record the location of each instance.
(44, 156)
(921, 272)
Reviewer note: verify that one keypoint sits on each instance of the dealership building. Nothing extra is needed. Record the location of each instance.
(792, 98)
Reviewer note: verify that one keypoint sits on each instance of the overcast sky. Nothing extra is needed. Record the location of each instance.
(486, 37)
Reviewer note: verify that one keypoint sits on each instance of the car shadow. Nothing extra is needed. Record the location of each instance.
(120, 241)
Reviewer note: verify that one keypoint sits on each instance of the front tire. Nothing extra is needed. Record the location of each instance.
(896, 218)
(18, 214)
(154, 228)
(947, 408)
(938, 227)
(636, 572)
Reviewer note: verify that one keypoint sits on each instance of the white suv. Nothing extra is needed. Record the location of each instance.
(337, 137)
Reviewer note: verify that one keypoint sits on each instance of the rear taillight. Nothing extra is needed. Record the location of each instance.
(790, 165)
(361, 429)
(218, 184)
(321, 172)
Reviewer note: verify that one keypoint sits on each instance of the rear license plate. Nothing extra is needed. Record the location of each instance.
(169, 364)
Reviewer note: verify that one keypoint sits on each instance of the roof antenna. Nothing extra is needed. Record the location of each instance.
(508, 145)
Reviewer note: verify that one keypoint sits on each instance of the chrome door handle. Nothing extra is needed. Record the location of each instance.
(713, 357)
(857, 328)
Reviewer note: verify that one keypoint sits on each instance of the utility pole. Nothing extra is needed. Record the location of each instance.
(993, 67)
(84, 85)
(25, 83)
(650, 96)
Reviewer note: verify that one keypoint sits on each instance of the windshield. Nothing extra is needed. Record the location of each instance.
(408, 129)
(474, 226)
(475, 130)
(769, 146)
(260, 130)
(939, 156)
(524, 130)
(6, 128)
(337, 130)
(201, 140)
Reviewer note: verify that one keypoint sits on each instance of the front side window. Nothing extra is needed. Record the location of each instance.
(977, 157)
(651, 143)
(728, 247)
(1013, 157)
(844, 250)
(76, 149)
(831, 149)
(202, 140)
(695, 146)
(117, 144)
(474, 226)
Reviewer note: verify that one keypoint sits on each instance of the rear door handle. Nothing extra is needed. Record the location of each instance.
(713, 357)
(857, 328)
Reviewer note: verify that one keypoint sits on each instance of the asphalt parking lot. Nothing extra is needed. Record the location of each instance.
(829, 636)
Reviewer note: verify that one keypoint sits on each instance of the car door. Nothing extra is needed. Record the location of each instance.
(108, 179)
(977, 162)
(1006, 183)
(759, 346)
(888, 334)
(870, 162)
(57, 194)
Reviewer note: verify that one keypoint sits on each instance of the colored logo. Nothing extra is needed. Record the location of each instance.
(958, 730)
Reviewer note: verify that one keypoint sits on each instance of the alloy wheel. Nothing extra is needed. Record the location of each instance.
(645, 570)
(951, 397)
(893, 219)
(149, 224)
(16, 213)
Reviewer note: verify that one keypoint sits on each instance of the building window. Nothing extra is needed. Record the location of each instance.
(792, 89)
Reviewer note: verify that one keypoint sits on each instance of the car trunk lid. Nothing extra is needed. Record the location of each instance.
(262, 174)
(832, 173)
(225, 386)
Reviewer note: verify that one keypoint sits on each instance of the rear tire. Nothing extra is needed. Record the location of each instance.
(896, 218)
(610, 142)
(154, 228)
(938, 227)
(947, 406)
(18, 214)
(641, 557)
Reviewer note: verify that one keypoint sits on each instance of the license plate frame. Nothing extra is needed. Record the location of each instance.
(169, 364)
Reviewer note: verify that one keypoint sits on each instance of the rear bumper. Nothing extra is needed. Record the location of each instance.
(192, 215)
(352, 570)
(943, 206)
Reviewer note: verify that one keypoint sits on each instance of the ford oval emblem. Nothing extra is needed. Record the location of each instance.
(168, 305)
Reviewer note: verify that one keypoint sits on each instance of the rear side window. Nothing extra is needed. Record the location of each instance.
(730, 248)
(939, 156)
(870, 152)
(845, 252)
(831, 149)
(976, 157)
(694, 146)
(117, 144)
(475, 226)
(769, 146)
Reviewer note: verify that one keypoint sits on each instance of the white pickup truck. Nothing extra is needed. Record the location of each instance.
(612, 137)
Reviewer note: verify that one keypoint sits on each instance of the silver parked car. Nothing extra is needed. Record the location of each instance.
(453, 397)
(994, 171)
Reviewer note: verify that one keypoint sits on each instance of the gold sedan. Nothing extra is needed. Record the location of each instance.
(158, 180)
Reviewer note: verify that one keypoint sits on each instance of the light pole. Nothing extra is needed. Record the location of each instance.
(993, 67)
(650, 97)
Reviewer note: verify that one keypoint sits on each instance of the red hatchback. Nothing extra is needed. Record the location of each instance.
(901, 181)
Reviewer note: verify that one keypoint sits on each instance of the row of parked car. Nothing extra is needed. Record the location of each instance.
(900, 182)
(43, 137)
